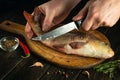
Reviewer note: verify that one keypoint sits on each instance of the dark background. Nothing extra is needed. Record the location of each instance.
(13, 67)
(13, 7)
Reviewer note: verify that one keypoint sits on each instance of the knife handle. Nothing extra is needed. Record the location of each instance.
(79, 23)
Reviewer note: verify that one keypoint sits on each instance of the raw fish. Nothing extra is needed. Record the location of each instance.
(79, 43)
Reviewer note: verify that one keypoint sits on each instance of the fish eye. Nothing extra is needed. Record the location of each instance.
(104, 43)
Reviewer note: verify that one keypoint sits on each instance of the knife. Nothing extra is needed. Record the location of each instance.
(59, 31)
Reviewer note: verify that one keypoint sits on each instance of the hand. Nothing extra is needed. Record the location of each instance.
(99, 13)
(51, 13)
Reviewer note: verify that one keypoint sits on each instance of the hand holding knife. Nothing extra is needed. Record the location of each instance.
(59, 31)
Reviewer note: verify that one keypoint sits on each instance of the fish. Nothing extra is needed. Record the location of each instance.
(78, 43)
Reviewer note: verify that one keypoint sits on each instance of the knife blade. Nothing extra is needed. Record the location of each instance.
(59, 31)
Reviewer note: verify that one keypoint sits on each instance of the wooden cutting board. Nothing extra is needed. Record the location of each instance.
(61, 59)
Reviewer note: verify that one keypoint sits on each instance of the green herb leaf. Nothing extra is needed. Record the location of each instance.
(108, 68)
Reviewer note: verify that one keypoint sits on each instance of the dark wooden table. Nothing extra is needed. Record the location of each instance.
(14, 67)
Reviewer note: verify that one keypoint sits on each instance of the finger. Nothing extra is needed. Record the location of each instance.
(82, 13)
(94, 26)
(96, 23)
(88, 22)
(27, 28)
(28, 31)
(110, 22)
(48, 21)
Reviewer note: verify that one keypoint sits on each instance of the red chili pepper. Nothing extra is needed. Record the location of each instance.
(25, 48)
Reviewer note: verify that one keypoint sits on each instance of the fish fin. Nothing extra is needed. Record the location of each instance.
(35, 27)
(28, 17)
(36, 11)
(38, 17)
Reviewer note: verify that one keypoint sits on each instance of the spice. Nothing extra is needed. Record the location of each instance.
(48, 73)
(25, 48)
(66, 75)
(8, 44)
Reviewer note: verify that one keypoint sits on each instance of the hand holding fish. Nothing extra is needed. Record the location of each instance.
(99, 13)
(77, 43)
(51, 13)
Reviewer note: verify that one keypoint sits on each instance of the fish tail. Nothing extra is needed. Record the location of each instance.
(35, 27)
(28, 17)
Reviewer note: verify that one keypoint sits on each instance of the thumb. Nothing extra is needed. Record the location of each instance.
(48, 22)
(29, 31)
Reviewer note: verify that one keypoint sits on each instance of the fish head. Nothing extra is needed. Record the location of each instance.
(101, 48)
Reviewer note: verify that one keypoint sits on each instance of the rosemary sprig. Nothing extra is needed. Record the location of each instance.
(108, 68)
